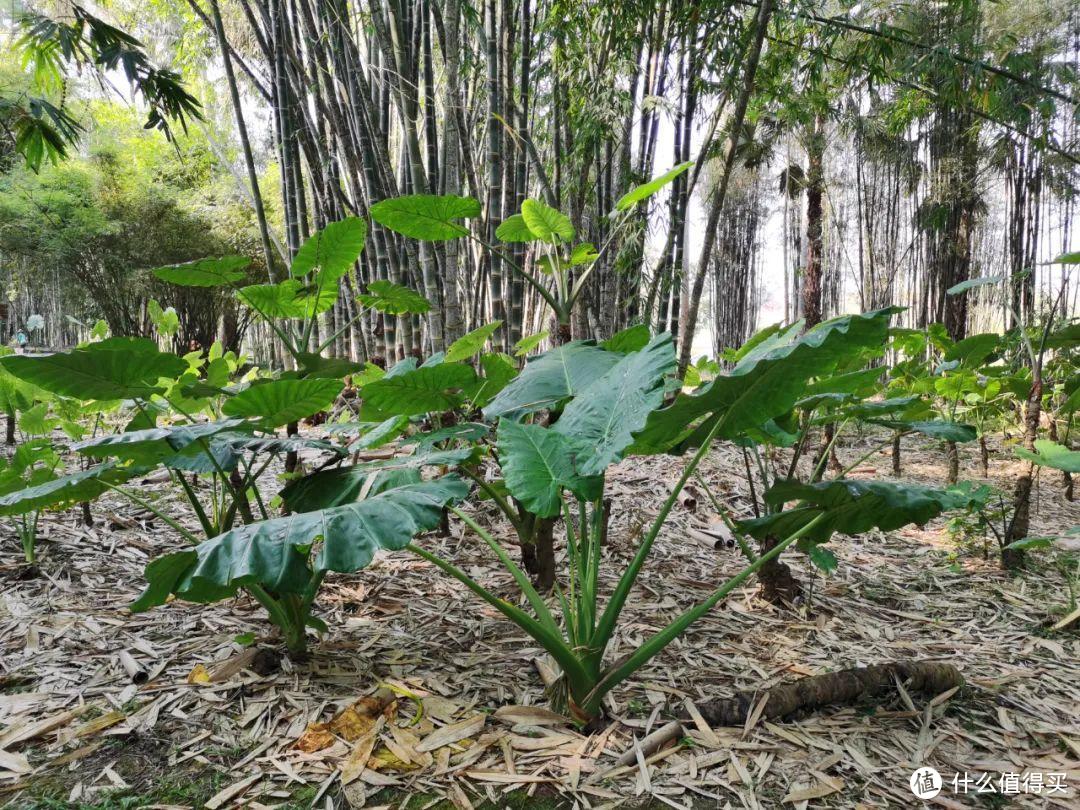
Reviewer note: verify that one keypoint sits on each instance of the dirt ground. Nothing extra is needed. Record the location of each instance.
(77, 732)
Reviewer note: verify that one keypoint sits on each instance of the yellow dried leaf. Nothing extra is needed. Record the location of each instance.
(351, 724)
(385, 760)
(316, 737)
(199, 675)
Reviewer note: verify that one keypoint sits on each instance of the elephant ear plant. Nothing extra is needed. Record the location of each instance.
(612, 404)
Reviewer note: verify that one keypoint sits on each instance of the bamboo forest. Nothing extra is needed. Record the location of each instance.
(503, 404)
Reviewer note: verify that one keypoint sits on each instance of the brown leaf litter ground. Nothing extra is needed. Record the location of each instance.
(464, 724)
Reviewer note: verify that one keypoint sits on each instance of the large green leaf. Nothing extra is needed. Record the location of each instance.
(935, 428)
(279, 402)
(604, 416)
(546, 223)
(972, 283)
(291, 298)
(419, 390)
(499, 370)
(332, 251)
(552, 377)
(853, 507)
(315, 365)
(630, 339)
(766, 383)
(537, 463)
(84, 485)
(393, 299)
(153, 445)
(341, 485)
(427, 217)
(217, 272)
(973, 351)
(1051, 454)
(646, 190)
(381, 433)
(276, 553)
(117, 368)
(467, 345)
(279, 444)
(514, 229)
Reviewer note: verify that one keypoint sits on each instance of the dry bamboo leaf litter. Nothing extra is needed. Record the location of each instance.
(450, 663)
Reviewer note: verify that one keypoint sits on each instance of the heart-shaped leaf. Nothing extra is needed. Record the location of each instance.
(279, 402)
(427, 217)
(219, 272)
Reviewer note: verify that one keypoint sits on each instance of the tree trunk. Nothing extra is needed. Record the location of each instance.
(815, 190)
(688, 322)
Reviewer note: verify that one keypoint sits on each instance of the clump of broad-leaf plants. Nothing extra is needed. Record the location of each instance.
(537, 443)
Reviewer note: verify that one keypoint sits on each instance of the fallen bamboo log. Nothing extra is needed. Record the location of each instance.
(845, 686)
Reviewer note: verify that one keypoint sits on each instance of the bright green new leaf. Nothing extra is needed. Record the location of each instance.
(36, 422)
(291, 298)
(427, 217)
(646, 190)
(1052, 454)
(585, 253)
(279, 402)
(393, 299)
(117, 368)
(499, 370)
(467, 345)
(219, 272)
(529, 342)
(332, 251)
(514, 229)
(549, 224)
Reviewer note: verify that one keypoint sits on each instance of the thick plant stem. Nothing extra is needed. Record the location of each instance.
(1013, 558)
(656, 643)
(280, 615)
(952, 455)
(778, 584)
(896, 454)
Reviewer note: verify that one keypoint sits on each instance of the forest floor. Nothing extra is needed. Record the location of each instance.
(78, 733)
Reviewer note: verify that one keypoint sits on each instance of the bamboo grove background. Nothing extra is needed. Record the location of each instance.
(846, 157)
